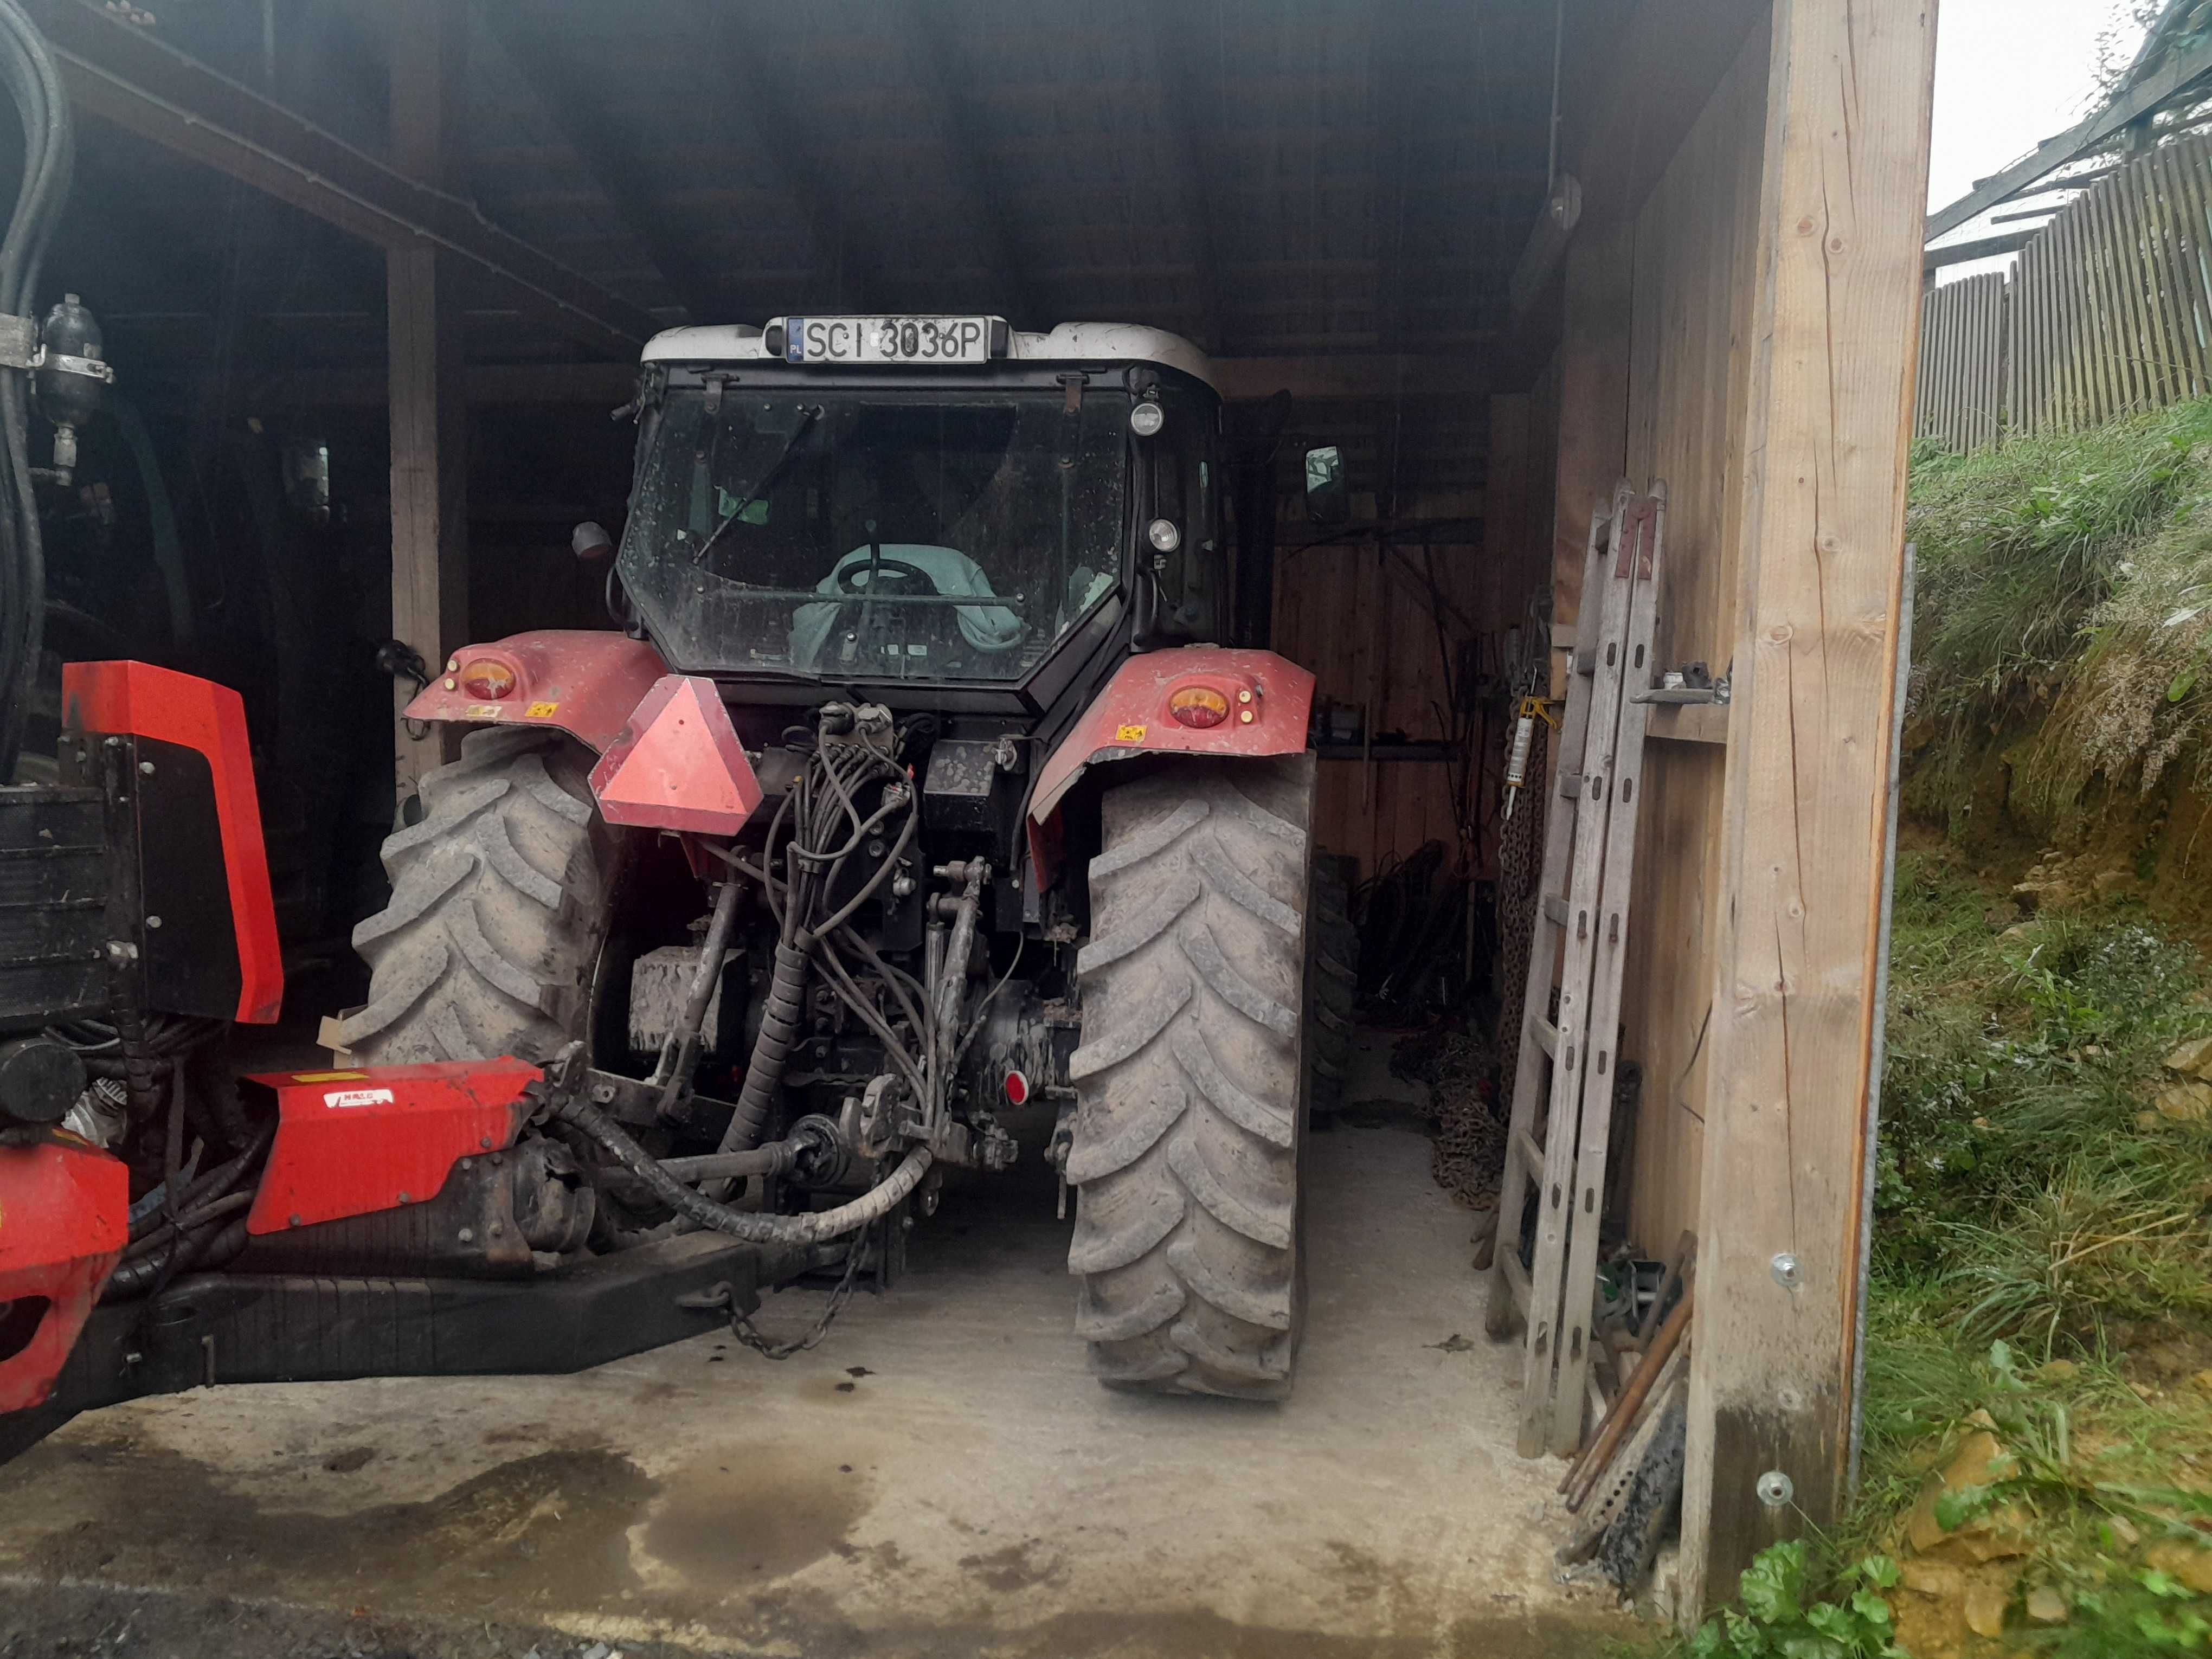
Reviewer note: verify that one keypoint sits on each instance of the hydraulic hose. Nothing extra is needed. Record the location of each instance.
(782, 1021)
(33, 83)
(813, 1228)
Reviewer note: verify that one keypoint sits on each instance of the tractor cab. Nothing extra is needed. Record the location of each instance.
(872, 501)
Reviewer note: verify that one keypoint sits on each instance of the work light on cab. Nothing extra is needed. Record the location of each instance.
(488, 678)
(1146, 419)
(1198, 705)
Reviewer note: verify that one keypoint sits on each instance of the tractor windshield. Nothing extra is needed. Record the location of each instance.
(876, 535)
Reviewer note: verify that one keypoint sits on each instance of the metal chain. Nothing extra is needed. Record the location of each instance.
(1470, 1146)
(742, 1327)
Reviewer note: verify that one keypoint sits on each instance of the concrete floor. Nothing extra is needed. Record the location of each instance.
(938, 1477)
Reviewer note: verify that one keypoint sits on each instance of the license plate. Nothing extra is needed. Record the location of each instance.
(887, 339)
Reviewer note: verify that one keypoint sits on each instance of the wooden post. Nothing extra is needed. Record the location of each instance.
(1826, 423)
(428, 366)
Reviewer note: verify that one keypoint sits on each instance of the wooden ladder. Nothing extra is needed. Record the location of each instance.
(1559, 1129)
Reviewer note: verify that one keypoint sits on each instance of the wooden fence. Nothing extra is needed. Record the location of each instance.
(2108, 312)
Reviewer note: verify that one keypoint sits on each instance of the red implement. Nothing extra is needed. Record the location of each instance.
(136, 698)
(64, 1217)
(351, 1143)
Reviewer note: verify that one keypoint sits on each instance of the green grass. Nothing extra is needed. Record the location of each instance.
(2024, 1215)
(2020, 549)
(2011, 1170)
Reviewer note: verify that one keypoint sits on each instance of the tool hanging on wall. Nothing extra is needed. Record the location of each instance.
(1524, 739)
(1561, 1125)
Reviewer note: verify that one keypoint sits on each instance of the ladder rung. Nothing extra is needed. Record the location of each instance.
(1531, 1153)
(1546, 1033)
(1516, 1276)
(1586, 660)
(1570, 786)
(1555, 908)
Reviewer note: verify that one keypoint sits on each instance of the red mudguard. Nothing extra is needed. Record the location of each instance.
(1270, 701)
(586, 682)
(64, 1217)
(351, 1143)
(109, 699)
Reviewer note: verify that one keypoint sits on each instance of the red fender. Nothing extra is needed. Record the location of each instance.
(1270, 699)
(584, 681)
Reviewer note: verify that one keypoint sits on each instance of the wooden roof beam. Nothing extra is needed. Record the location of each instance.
(125, 75)
(1984, 247)
(1175, 75)
(760, 117)
(571, 102)
(1243, 379)
(977, 179)
(1391, 61)
(2180, 71)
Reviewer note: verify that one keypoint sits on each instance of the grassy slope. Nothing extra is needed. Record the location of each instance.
(2043, 1261)
(2033, 1210)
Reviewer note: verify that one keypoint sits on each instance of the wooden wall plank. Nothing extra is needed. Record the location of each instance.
(1696, 270)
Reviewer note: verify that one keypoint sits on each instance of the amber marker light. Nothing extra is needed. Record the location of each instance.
(1199, 705)
(487, 679)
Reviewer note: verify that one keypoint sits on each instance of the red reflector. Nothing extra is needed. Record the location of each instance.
(677, 764)
(486, 679)
(1199, 705)
(1018, 1088)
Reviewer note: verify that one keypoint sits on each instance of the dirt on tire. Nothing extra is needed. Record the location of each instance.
(1188, 1081)
(500, 899)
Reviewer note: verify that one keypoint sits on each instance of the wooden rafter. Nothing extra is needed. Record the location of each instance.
(1392, 62)
(123, 75)
(759, 116)
(1182, 101)
(2180, 72)
(931, 28)
(568, 95)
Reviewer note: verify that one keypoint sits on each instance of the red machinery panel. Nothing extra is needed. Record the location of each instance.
(353, 1142)
(64, 1217)
(586, 682)
(137, 699)
(677, 764)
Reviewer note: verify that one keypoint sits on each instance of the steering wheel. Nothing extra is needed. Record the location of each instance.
(847, 582)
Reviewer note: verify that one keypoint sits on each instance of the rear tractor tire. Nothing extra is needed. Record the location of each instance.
(500, 901)
(1333, 987)
(1190, 1109)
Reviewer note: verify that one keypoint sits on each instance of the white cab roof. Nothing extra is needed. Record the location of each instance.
(1069, 342)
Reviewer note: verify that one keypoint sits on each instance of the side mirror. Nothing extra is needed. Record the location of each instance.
(591, 541)
(1328, 498)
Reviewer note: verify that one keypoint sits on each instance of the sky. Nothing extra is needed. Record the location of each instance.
(2009, 74)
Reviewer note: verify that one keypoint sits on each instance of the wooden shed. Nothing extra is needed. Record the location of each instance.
(402, 256)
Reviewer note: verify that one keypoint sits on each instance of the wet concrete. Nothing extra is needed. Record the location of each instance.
(938, 1477)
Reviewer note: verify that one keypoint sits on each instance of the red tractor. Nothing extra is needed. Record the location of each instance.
(906, 821)
(910, 802)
